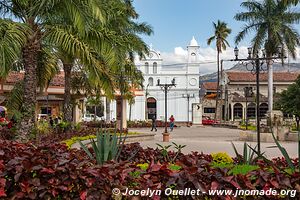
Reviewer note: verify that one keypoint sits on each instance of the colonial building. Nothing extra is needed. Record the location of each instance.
(49, 102)
(208, 94)
(236, 84)
(152, 102)
(239, 93)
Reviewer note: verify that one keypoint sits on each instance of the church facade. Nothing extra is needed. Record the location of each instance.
(179, 98)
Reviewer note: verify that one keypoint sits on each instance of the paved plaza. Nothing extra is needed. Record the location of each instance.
(209, 139)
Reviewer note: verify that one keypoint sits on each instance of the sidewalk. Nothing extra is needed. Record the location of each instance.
(209, 139)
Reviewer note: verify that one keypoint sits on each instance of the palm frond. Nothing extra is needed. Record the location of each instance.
(47, 67)
(241, 35)
(209, 40)
(15, 98)
(12, 38)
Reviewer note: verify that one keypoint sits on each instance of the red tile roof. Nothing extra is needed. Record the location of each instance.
(210, 85)
(14, 77)
(277, 76)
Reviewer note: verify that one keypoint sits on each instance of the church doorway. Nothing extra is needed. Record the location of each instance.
(151, 107)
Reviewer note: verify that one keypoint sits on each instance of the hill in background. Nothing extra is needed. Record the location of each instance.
(277, 67)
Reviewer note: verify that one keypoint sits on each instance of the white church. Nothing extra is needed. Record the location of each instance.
(151, 102)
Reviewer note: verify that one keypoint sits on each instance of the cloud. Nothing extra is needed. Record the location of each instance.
(208, 58)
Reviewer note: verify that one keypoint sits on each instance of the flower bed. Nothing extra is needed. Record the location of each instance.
(51, 171)
(58, 137)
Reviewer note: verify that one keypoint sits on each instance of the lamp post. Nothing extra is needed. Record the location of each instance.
(254, 64)
(166, 87)
(188, 96)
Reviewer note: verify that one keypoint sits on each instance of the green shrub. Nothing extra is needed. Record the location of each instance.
(43, 127)
(77, 126)
(242, 169)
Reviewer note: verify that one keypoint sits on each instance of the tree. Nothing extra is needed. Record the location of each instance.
(126, 44)
(128, 79)
(221, 32)
(289, 100)
(271, 21)
(131, 101)
(40, 19)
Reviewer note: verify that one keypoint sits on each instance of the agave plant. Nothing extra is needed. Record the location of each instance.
(248, 154)
(284, 153)
(106, 147)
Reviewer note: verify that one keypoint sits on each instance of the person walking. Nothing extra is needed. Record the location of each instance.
(153, 123)
(172, 120)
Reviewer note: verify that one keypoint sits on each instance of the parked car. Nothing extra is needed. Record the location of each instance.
(206, 120)
(90, 117)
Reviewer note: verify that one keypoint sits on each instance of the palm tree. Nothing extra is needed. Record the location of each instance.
(40, 19)
(221, 33)
(110, 40)
(125, 44)
(287, 2)
(271, 21)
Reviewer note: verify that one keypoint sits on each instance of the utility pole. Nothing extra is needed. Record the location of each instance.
(146, 101)
(188, 96)
(166, 87)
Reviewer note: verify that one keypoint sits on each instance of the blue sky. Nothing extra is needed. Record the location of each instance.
(175, 22)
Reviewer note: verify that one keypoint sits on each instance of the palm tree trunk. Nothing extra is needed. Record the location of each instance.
(130, 106)
(67, 108)
(107, 110)
(30, 55)
(270, 86)
(270, 74)
(218, 82)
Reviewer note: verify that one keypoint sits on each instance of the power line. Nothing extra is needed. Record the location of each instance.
(175, 64)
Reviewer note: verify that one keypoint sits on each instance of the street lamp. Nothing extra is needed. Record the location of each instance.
(188, 96)
(254, 64)
(166, 87)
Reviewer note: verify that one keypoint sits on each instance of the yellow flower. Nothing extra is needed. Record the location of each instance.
(221, 158)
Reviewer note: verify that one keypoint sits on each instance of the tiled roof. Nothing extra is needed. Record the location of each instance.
(236, 97)
(210, 85)
(248, 76)
(14, 77)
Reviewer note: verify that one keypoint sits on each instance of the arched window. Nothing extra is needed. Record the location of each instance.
(146, 68)
(238, 111)
(154, 68)
(150, 81)
(251, 110)
(263, 109)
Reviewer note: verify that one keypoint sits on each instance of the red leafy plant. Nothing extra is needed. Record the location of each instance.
(51, 171)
